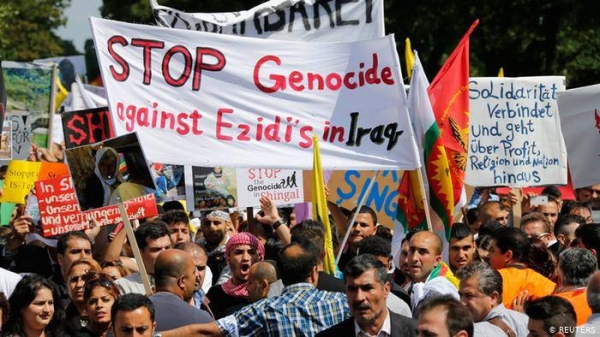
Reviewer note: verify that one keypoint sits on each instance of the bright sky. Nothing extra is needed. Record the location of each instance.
(78, 27)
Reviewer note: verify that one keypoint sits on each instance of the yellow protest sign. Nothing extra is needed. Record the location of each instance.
(20, 179)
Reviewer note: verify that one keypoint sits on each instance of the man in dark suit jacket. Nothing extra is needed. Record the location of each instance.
(366, 289)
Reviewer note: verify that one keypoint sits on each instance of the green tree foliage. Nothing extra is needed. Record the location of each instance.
(29, 89)
(525, 37)
(26, 29)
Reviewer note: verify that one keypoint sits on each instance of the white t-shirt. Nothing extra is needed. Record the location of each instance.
(8, 281)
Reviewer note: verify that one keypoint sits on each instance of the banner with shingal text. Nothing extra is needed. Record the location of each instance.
(306, 20)
(283, 187)
(256, 103)
(515, 137)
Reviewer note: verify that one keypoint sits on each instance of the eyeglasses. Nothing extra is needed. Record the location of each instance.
(593, 191)
(101, 280)
(539, 236)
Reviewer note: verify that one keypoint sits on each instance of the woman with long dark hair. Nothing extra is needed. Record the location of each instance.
(35, 309)
(100, 293)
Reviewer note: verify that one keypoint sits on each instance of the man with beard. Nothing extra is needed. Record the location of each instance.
(241, 252)
(367, 289)
(214, 228)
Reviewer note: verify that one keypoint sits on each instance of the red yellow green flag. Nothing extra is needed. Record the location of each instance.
(411, 210)
(449, 96)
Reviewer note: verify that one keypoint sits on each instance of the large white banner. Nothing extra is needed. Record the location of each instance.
(515, 137)
(580, 119)
(217, 100)
(306, 20)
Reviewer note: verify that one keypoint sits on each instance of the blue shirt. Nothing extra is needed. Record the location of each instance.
(198, 298)
(301, 310)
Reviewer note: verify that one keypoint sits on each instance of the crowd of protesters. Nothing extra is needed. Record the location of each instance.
(265, 276)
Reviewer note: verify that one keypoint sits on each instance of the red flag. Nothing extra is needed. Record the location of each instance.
(411, 211)
(449, 96)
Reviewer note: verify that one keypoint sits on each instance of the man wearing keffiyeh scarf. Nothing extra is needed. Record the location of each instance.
(241, 252)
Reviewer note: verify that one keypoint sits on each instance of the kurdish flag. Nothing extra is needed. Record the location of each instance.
(411, 211)
(449, 96)
(319, 204)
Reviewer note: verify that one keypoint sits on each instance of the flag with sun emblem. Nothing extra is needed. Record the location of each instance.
(411, 210)
(449, 96)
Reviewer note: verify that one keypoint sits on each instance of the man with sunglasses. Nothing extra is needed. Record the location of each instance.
(536, 224)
